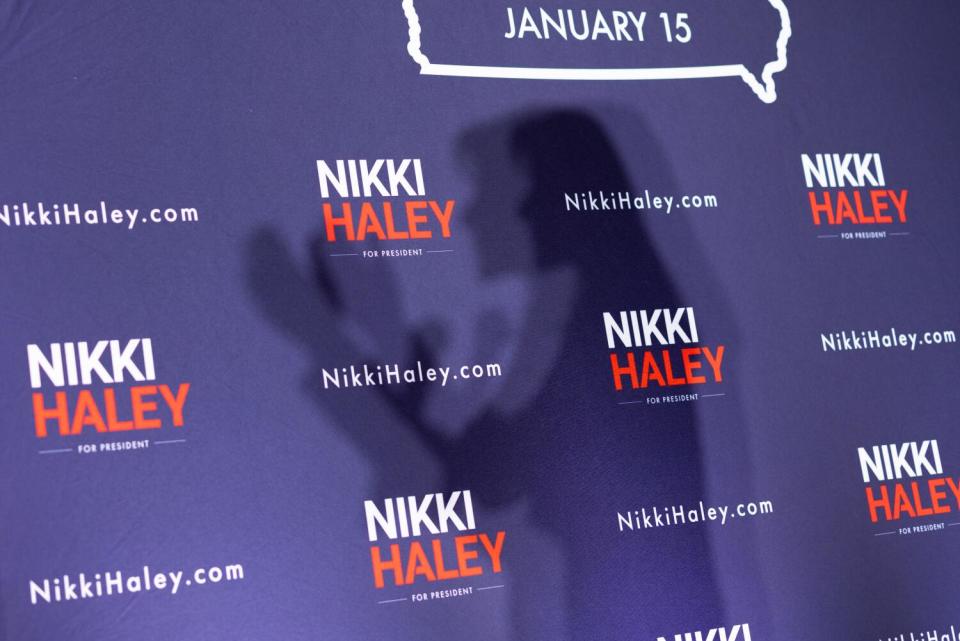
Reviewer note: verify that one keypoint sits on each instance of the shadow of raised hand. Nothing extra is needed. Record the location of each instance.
(344, 318)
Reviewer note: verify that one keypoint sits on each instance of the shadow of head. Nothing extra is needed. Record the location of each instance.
(551, 188)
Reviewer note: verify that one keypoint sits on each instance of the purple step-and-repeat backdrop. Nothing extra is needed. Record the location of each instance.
(427, 321)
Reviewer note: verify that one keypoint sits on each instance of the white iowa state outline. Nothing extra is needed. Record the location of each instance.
(765, 88)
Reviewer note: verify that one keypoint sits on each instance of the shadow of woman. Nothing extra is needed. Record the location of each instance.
(567, 446)
(555, 437)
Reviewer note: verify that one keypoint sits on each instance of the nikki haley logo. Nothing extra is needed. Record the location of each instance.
(381, 199)
(847, 190)
(736, 633)
(658, 348)
(907, 480)
(452, 551)
(92, 392)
